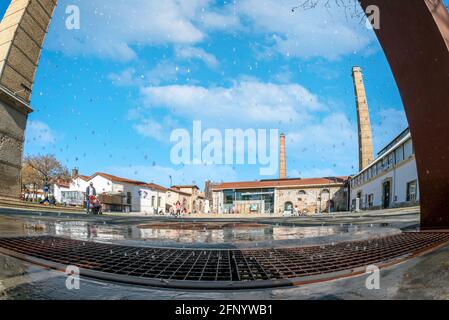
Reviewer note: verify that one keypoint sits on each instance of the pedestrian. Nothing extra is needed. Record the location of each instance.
(178, 208)
(90, 192)
(296, 211)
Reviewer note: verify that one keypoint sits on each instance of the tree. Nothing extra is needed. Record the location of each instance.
(39, 171)
(30, 179)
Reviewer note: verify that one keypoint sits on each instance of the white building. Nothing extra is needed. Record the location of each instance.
(138, 196)
(389, 181)
(116, 193)
(59, 189)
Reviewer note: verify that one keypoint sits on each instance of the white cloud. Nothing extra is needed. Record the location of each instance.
(112, 31)
(324, 146)
(39, 133)
(197, 174)
(189, 53)
(153, 128)
(222, 20)
(247, 102)
(163, 71)
(125, 78)
(115, 31)
(317, 32)
(150, 128)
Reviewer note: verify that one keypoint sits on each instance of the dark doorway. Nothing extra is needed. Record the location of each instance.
(386, 195)
(288, 207)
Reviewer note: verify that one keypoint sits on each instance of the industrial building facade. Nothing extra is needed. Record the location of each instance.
(391, 180)
(281, 196)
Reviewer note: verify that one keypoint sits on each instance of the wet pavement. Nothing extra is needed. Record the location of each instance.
(423, 277)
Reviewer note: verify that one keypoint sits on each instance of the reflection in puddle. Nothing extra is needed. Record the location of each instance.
(239, 232)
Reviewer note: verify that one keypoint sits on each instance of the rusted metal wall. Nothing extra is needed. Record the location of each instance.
(414, 35)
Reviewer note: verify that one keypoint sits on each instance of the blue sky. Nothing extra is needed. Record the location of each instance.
(107, 96)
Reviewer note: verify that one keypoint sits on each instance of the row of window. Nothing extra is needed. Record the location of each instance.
(159, 200)
(411, 195)
(401, 153)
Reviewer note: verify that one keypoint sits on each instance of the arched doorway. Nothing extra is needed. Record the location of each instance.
(413, 34)
(288, 207)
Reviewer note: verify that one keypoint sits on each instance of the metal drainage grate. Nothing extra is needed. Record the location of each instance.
(220, 269)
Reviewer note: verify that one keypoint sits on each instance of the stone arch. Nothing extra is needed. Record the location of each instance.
(405, 29)
(288, 206)
(22, 33)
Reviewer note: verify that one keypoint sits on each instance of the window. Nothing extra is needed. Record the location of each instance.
(399, 153)
(385, 163)
(152, 200)
(379, 167)
(158, 202)
(391, 159)
(228, 196)
(301, 192)
(412, 188)
(408, 149)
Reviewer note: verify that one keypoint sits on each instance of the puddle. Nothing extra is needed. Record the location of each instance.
(170, 232)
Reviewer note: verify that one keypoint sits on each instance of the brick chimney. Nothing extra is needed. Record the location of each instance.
(366, 154)
(75, 173)
(282, 159)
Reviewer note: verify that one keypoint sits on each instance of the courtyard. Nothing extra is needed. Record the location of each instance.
(401, 279)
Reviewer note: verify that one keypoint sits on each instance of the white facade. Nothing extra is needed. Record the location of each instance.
(390, 181)
(140, 197)
(57, 192)
(79, 184)
(152, 200)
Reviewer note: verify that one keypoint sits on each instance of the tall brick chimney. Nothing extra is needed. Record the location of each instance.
(282, 159)
(366, 154)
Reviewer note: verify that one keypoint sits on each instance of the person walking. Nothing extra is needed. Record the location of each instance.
(90, 192)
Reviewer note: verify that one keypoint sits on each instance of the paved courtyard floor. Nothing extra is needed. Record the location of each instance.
(424, 277)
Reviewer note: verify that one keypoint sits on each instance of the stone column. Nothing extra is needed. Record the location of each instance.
(22, 33)
(363, 120)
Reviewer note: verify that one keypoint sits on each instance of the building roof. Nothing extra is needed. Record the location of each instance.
(189, 186)
(179, 191)
(155, 186)
(393, 142)
(63, 184)
(85, 178)
(277, 183)
(117, 179)
(402, 138)
(128, 181)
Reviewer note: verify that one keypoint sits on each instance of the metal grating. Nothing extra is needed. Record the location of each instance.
(220, 269)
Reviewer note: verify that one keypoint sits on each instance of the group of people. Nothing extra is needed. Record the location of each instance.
(177, 209)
